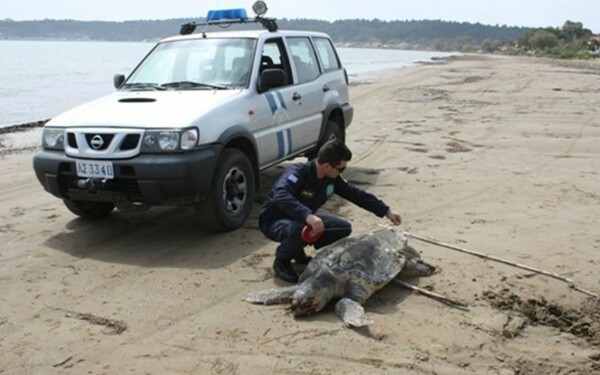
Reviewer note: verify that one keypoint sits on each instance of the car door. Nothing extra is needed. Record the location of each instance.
(308, 89)
(280, 112)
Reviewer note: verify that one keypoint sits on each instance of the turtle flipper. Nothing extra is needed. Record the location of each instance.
(273, 296)
(352, 313)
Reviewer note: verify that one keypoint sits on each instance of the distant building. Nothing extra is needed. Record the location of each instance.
(594, 44)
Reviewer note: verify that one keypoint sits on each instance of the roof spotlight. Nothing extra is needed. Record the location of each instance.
(259, 8)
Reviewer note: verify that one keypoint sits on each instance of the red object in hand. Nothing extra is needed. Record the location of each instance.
(308, 236)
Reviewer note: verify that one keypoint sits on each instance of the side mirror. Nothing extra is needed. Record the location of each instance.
(118, 80)
(271, 78)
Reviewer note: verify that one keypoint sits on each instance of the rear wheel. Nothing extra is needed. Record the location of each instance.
(89, 209)
(231, 195)
(332, 132)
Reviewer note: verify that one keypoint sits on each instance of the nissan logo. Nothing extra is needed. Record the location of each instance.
(96, 142)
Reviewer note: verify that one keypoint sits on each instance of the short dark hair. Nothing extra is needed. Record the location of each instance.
(334, 152)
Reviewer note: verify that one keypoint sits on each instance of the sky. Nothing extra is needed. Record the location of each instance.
(529, 13)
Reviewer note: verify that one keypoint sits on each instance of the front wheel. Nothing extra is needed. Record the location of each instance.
(332, 132)
(89, 209)
(231, 195)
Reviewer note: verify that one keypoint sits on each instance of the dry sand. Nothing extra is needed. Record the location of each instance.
(499, 155)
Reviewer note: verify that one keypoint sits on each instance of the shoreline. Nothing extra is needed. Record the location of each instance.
(368, 77)
(23, 126)
(83, 83)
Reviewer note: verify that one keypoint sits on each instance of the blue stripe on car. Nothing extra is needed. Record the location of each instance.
(281, 99)
(289, 139)
(271, 101)
(280, 144)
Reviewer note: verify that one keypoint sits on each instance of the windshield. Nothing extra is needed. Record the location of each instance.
(197, 64)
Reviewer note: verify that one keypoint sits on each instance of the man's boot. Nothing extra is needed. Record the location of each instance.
(283, 269)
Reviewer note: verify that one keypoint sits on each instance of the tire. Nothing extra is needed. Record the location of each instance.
(231, 194)
(332, 131)
(89, 210)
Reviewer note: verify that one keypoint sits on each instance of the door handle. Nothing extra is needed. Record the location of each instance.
(296, 96)
(325, 88)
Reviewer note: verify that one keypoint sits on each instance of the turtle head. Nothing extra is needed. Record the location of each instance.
(313, 294)
(414, 266)
(306, 302)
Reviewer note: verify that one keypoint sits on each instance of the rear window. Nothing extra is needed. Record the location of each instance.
(305, 60)
(327, 54)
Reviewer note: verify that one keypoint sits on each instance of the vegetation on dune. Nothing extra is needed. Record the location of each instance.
(570, 41)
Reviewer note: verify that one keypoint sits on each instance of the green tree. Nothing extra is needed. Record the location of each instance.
(574, 30)
(543, 39)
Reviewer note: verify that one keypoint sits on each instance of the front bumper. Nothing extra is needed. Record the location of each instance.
(153, 179)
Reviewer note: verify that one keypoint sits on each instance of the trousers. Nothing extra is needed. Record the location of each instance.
(287, 233)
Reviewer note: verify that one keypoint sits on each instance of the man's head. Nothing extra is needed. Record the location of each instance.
(333, 158)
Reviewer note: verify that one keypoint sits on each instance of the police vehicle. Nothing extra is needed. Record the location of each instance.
(197, 121)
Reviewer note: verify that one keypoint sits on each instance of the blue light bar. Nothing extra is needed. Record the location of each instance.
(226, 14)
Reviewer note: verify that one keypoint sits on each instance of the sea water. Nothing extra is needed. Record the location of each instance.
(40, 79)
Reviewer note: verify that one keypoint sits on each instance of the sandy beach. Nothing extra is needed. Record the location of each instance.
(498, 155)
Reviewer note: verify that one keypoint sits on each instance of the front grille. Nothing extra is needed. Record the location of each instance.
(72, 140)
(99, 142)
(103, 143)
(130, 142)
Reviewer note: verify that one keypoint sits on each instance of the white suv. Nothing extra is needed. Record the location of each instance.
(196, 122)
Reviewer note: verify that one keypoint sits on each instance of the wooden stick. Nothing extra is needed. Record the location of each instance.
(486, 256)
(570, 273)
(452, 302)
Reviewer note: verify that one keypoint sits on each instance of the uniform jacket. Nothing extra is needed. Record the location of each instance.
(298, 193)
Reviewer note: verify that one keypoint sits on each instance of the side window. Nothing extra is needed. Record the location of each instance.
(273, 56)
(327, 54)
(305, 59)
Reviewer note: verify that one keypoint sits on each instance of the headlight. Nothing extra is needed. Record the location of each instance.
(189, 139)
(169, 140)
(53, 138)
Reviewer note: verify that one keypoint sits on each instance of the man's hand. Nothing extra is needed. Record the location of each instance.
(316, 223)
(394, 217)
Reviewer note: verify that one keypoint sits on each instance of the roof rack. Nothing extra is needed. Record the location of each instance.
(233, 16)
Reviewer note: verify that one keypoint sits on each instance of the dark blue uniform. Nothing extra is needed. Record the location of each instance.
(298, 193)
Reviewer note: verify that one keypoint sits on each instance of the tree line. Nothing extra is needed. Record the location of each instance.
(441, 35)
(572, 40)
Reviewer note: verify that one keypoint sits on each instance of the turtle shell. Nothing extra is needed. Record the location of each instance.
(370, 260)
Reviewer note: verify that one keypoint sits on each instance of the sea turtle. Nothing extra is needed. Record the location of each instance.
(350, 270)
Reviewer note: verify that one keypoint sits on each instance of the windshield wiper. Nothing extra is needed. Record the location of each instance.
(143, 86)
(192, 84)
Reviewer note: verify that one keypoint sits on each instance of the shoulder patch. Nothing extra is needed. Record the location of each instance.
(329, 190)
(292, 178)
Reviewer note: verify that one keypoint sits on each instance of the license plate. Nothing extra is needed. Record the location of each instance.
(96, 169)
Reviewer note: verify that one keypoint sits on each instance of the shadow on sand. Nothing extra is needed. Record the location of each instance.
(173, 237)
